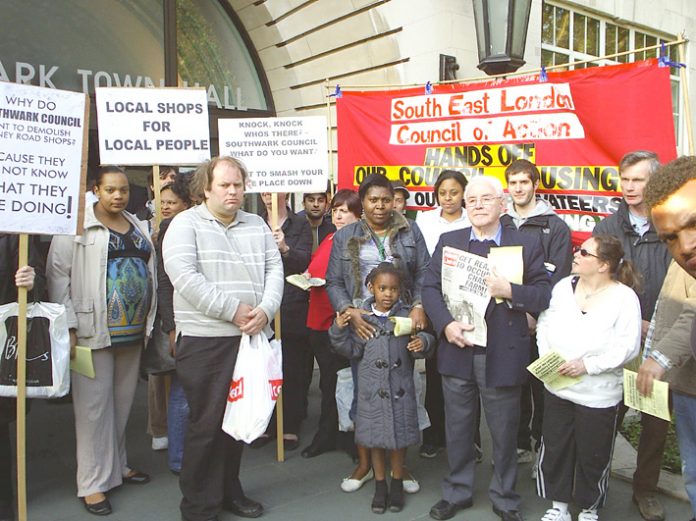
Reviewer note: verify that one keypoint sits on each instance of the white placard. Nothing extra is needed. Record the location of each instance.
(167, 126)
(281, 154)
(42, 167)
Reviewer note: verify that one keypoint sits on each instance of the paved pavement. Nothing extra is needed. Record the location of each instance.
(296, 490)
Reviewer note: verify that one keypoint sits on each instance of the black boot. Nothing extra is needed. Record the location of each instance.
(396, 495)
(379, 501)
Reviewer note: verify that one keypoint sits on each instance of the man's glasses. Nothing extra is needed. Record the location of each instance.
(584, 253)
(486, 200)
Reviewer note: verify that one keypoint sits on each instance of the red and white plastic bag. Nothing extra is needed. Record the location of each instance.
(256, 383)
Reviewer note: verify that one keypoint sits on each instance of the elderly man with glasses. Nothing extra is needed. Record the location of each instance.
(496, 372)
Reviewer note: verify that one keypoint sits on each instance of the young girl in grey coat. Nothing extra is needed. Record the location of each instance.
(386, 418)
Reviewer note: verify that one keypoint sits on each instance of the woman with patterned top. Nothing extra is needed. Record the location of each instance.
(106, 280)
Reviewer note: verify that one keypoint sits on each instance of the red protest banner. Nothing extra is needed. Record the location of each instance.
(575, 127)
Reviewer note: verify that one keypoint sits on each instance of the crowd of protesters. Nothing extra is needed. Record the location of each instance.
(170, 300)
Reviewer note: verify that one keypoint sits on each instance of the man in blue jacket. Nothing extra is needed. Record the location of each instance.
(494, 373)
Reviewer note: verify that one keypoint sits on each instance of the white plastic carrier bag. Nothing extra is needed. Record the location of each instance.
(256, 383)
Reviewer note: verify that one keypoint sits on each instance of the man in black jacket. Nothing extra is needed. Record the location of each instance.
(32, 277)
(316, 207)
(293, 237)
(643, 247)
(535, 217)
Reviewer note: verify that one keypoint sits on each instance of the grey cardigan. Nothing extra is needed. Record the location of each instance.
(215, 267)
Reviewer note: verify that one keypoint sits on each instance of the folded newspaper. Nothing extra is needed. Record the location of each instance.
(465, 291)
(303, 282)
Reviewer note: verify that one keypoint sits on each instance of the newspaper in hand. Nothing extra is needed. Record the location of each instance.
(465, 291)
(303, 282)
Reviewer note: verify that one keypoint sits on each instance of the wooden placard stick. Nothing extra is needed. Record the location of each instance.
(22, 385)
(279, 402)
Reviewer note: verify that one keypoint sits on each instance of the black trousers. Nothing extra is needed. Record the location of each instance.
(575, 453)
(5, 463)
(210, 467)
(531, 407)
(329, 363)
(434, 404)
(295, 354)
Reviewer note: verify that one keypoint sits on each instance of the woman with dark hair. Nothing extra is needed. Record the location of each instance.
(448, 216)
(594, 323)
(381, 235)
(106, 280)
(175, 198)
(345, 209)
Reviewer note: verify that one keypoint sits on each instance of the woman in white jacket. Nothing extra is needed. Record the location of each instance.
(594, 323)
(106, 280)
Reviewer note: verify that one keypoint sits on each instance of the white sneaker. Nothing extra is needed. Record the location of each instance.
(588, 515)
(553, 514)
(351, 484)
(525, 456)
(160, 443)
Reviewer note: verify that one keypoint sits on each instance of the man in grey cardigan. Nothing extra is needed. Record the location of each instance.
(227, 275)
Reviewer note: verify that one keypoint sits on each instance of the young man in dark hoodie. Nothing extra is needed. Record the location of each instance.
(535, 217)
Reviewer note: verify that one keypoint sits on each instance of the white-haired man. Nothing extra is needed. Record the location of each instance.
(493, 374)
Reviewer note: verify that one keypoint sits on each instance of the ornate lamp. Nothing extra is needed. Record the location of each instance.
(501, 34)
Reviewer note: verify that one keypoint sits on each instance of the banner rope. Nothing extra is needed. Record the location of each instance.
(682, 40)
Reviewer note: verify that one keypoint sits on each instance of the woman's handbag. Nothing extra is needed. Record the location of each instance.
(48, 350)
(256, 383)
(156, 357)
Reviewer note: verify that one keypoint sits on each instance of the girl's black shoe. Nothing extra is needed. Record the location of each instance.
(396, 495)
(379, 501)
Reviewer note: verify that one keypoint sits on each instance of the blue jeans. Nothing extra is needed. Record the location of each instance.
(685, 418)
(177, 418)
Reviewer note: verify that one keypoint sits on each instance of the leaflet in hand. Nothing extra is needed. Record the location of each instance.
(507, 262)
(465, 291)
(82, 363)
(656, 404)
(402, 326)
(303, 282)
(546, 370)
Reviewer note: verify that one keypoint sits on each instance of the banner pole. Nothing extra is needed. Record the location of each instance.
(22, 385)
(280, 448)
(156, 187)
(330, 139)
(685, 96)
